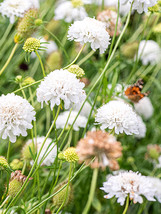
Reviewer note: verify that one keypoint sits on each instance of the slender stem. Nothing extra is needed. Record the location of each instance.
(23, 93)
(127, 205)
(5, 34)
(4, 201)
(92, 191)
(75, 58)
(9, 59)
(70, 173)
(35, 163)
(8, 151)
(42, 67)
(86, 58)
(24, 167)
(27, 86)
(58, 41)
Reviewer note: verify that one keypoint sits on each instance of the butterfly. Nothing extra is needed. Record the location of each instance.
(133, 92)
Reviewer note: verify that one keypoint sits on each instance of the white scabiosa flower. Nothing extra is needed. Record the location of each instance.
(15, 8)
(119, 116)
(62, 119)
(132, 183)
(157, 187)
(144, 108)
(142, 5)
(16, 115)
(149, 52)
(61, 85)
(49, 150)
(92, 31)
(141, 128)
(159, 162)
(67, 12)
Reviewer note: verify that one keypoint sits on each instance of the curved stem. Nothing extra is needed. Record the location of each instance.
(42, 67)
(92, 191)
(9, 59)
(4, 201)
(75, 58)
(58, 41)
(127, 205)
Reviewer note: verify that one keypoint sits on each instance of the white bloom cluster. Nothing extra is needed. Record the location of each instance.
(80, 122)
(49, 150)
(16, 115)
(157, 187)
(61, 85)
(144, 108)
(132, 183)
(16, 8)
(142, 5)
(149, 52)
(119, 116)
(67, 12)
(92, 31)
(141, 128)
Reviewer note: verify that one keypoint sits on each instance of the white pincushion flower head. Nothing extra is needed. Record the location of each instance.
(119, 116)
(142, 5)
(149, 52)
(67, 12)
(128, 183)
(15, 8)
(61, 85)
(80, 122)
(49, 150)
(141, 128)
(92, 31)
(16, 115)
(144, 108)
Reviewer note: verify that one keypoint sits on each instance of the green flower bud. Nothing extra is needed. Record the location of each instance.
(26, 25)
(28, 81)
(16, 164)
(54, 61)
(75, 69)
(70, 155)
(38, 22)
(154, 9)
(4, 164)
(18, 79)
(61, 156)
(59, 198)
(153, 153)
(130, 160)
(129, 50)
(27, 150)
(77, 3)
(14, 187)
(31, 44)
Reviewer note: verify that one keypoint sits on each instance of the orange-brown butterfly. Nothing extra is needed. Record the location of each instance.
(133, 92)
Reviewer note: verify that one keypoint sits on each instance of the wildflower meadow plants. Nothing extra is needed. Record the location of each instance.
(80, 121)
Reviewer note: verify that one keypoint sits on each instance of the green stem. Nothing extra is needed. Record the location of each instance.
(8, 151)
(24, 167)
(75, 58)
(70, 173)
(58, 41)
(6, 34)
(42, 67)
(9, 59)
(35, 163)
(127, 205)
(23, 93)
(86, 58)
(92, 191)
(142, 207)
(4, 201)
